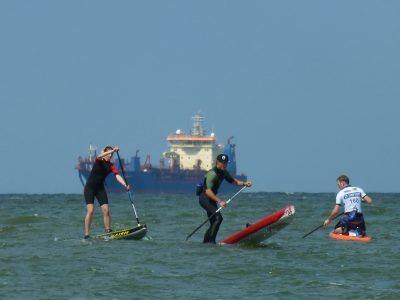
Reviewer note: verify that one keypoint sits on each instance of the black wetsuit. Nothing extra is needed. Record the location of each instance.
(94, 186)
(213, 180)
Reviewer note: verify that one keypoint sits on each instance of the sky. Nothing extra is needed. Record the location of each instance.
(309, 89)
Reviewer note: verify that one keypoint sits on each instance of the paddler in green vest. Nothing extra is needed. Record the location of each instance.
(208, 198)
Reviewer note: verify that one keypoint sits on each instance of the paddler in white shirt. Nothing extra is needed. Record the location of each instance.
(350, 197)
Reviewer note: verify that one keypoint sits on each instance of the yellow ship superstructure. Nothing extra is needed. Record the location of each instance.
(196, 151)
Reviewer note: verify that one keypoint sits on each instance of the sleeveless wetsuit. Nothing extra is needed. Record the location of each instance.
(213, 180)
(94, 186)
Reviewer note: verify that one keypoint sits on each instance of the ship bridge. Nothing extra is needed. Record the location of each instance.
(196, 151)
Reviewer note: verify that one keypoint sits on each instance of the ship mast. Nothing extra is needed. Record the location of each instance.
(197, 129)
(92, 152)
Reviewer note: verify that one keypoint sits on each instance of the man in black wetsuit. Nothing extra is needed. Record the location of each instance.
(94, 187)
(208, 198)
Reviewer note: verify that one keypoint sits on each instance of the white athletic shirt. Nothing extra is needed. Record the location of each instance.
(351, 197)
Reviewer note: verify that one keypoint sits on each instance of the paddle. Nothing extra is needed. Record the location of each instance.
(321, 225)
(128, 192)
(188, 237)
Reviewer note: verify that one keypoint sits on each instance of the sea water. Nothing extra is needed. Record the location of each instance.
(43, 254)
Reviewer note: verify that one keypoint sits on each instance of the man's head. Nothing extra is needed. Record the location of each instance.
(342, 181)
(108, 157)
(222, 161)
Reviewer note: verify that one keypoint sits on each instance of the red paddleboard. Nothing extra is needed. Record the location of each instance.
(263, 229)
(349, 237)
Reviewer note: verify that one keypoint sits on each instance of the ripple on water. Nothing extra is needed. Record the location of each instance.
(20, 220)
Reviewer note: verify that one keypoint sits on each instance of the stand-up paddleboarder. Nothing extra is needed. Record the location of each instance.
(208, 195)
(94, 188)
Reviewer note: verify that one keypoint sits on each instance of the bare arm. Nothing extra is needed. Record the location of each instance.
(241, 183)
(335, 210)
(367, 199)
(122, 181)
(101, 155)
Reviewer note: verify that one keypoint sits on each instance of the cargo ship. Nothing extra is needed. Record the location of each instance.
(188, 158)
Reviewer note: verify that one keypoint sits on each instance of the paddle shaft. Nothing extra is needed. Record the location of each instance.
(128, 192)
(229, 200)
(321, 225)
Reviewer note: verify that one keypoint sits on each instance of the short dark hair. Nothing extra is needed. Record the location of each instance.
(343, 178)
(107, 148)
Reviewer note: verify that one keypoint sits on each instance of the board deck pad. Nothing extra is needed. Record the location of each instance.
(263, 229)
(133, 233)
(349, 237)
